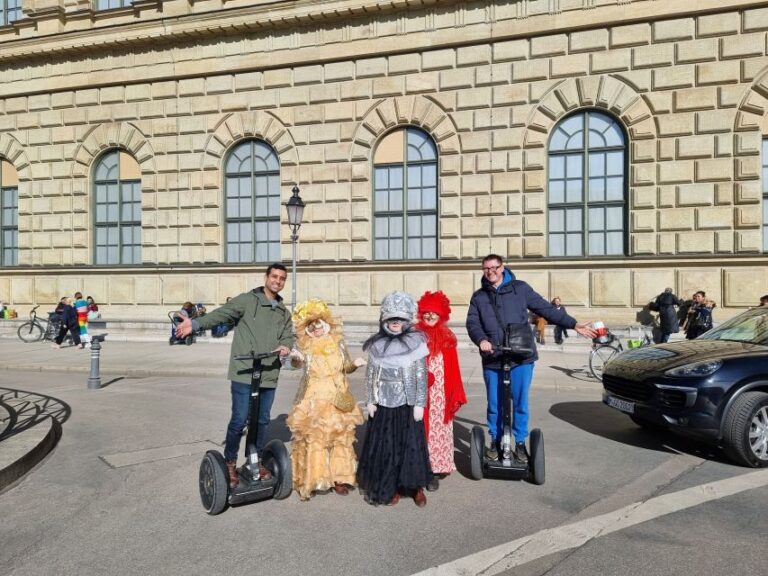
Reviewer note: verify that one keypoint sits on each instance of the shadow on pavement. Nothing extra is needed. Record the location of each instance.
(582, 374)
(462, 433)
(27, 409)
(596, 418)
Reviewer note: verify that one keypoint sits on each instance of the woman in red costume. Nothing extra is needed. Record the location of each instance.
(445, 390)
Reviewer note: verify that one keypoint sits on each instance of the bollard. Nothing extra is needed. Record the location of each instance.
(94, 380)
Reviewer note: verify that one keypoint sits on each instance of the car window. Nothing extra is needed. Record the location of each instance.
(751, 326)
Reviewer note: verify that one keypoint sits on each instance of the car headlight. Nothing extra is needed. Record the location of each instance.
(697, 369)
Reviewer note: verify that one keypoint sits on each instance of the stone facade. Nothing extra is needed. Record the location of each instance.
(178, 83)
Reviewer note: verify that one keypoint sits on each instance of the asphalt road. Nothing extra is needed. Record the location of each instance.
(119, 495)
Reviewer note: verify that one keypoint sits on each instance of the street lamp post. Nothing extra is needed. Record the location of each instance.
(295, 209)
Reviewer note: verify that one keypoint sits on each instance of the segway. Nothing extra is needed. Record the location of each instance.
(215, 492)
(506, 466)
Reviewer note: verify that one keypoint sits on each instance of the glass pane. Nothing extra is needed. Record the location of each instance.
(246, 252)
(556, 192)
(101, 213)
(573, 191)
(429, 248)
(137, 212)
(596, 139)
(557, 245)
(556, 167)
(274, 252)
(575, 166)
(127, 255)
(113, 255)
(112, 214)
(233, 232)
(396, 200)
(615, 163)
(596, 244)
(101, 193)
(113, 193)
(396, 177)
(381, 178)
(262, 207)
(106, 169)
(429, 225)
(414, 199)
(429, 175)
(382, 227)
(381, 202)
(395, 249)
(556, 221)
(596, 189)
(615, 188)
(429, 199)
(614, 243)
(573, 219)
(420, 146)
(596, 219)
(414, 227)
(381, 250)
(101, 255)
(614, 218)
(573, 245)
(414, 176)
(112, 235)
(414, 248)
(262, 252)
(395, 227)
(597, 164)
(559, 140)
(614, 136)
(233, 253)
(267, 157)
(274, 207)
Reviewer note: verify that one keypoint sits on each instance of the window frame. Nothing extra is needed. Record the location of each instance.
(9, 228)
(123, 4)
(4, 20)
(120, 223)
(405, 212)
(585, 204)
(254, 219)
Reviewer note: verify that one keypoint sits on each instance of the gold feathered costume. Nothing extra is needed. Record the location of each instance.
(323, 436)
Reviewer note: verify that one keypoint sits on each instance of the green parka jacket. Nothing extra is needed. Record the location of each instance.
(262, 326)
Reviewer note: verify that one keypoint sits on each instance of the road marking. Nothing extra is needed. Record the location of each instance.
(545, 542)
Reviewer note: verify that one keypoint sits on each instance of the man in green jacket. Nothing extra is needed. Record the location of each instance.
(263, 325)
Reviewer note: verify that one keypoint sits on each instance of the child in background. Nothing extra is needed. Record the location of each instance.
(81, 308)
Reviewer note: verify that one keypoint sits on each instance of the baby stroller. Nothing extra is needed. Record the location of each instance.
(188, 310)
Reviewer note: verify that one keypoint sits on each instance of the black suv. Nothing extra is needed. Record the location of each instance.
(714, 388)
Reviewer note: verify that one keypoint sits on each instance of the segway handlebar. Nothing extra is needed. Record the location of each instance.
(256, 356)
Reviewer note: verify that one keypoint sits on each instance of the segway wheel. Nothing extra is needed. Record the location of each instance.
(275, 457)
(189, 340)
(537, 457)
(476, 449)
(213, 483)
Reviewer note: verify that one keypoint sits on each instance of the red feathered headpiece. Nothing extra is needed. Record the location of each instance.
(436, 302)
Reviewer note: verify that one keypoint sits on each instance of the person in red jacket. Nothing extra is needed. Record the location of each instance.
(445, 390)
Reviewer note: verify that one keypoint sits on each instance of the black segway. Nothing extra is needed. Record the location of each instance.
(505, 466)
(215, 492)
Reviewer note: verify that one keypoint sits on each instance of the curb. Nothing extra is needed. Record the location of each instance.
(15, 471)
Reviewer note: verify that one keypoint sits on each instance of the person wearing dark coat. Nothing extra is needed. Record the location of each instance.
(68, 322)
(502, 300)
(665, 304)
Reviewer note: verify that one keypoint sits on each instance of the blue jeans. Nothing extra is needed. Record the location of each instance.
(521, 377)
(664, 338)
(241, 405)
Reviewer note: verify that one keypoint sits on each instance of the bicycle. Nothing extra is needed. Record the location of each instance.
(606, 348)
(33, 330)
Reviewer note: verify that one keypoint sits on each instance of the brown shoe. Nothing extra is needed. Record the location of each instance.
(234, 478)
(264, 473)
(420, 498)
(395, 499)
(340, 489)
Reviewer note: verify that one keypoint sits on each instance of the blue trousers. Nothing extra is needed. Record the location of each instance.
(241, 404)
(520, 380)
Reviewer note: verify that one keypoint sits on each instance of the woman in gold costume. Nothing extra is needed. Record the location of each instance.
(322, 423)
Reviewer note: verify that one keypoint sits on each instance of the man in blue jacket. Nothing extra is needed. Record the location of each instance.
(504, 299)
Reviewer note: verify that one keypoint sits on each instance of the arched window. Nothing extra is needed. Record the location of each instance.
(9, 214)
(405, 196)
(587, 187)
(117, 193)
(252, 188)
(10, 11)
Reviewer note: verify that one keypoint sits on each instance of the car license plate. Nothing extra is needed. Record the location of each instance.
(623, 405)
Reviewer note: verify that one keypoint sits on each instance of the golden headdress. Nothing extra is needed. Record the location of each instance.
(309, 312)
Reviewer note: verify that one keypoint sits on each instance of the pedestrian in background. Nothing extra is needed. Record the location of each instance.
(68, 323)
(560, 332)
(699, 318)
(93, 309)
(764, 300)
(81, 309)
(665, 305)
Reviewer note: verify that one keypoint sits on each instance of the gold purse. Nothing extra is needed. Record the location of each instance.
(344, 400)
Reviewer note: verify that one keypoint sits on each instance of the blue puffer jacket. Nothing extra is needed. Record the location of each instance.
(513, 298)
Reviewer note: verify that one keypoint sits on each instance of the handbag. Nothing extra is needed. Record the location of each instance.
(343, 400)
(517, 336)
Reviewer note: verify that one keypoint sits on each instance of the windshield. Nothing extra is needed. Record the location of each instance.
(751, 326)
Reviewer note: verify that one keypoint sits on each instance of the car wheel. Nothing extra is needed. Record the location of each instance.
(745, 437)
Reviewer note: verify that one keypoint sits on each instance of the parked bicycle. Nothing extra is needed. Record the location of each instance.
(34, 329)
(606, 348)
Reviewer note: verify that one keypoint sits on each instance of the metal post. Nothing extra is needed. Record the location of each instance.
(294, 240)
(94, 380)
